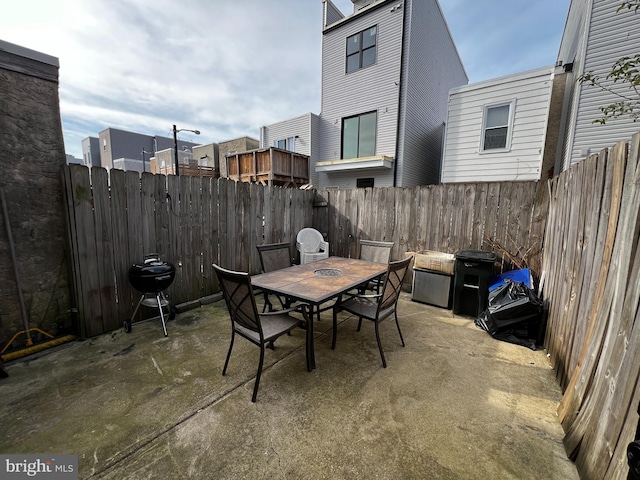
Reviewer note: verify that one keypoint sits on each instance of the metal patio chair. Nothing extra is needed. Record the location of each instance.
(375, 251)
(311, 245)
(258, 328)
(274, 256)
(376, 308)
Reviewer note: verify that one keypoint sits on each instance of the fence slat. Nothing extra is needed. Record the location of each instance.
(148, 214)
(88, 296)
(104, 249)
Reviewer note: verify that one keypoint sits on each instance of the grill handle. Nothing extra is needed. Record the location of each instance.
(151, 257)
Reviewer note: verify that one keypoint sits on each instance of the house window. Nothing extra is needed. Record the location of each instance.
(359, 135)
(496, 131)
(361, 49)
(286, 144)
(364, 183)
(104, 144)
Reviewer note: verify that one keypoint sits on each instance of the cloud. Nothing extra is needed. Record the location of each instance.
(225, 68)
(228, 67)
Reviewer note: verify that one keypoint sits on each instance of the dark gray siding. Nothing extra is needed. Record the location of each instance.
(431, 67)
(114, 143)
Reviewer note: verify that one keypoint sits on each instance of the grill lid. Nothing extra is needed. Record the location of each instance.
(153, 275)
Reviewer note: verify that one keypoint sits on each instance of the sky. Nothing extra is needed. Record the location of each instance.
(228, 67)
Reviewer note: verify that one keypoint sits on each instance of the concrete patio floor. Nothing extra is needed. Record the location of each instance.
(453, 404)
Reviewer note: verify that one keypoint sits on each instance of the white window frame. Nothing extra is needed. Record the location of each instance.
(512, 108)
(289, 144)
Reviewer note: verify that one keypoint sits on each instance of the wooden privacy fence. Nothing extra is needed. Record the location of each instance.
(116, 218)
(592, 269)
(444, 218)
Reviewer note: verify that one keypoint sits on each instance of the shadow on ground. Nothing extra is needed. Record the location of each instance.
(453, 404)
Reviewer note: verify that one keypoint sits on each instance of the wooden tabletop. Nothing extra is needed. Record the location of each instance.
(317, 282)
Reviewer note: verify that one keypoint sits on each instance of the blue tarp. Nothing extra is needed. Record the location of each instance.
(523, 275)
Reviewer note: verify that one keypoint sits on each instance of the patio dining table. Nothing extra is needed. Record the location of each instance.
(317, 283)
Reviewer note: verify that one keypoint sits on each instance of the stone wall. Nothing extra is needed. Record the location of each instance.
(31, 154)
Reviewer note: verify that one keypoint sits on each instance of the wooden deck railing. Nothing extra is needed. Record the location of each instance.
(269, 166)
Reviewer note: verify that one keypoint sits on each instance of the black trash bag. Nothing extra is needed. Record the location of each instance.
(514, 314)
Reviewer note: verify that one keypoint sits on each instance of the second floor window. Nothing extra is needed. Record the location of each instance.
(361, 49)
(286, 144)
(496, 135)
(359, 135)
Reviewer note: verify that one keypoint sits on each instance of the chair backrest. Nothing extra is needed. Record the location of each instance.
(396, 272)
(373, 251)
(274, 256)
(238, 295)
(310, 239)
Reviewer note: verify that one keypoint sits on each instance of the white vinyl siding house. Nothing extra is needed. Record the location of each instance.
(595, 36)
(496, 129)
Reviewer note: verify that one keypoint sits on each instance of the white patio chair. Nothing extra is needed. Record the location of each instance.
(311, 246)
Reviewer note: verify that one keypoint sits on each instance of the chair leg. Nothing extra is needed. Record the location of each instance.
(335, 329)
(258, 375)
(267, 304)
(359, 324)
(399, 331)
(226, 362)
(384, 362)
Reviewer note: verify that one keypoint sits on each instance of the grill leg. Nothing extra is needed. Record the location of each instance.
(164, 326)
(137, 307)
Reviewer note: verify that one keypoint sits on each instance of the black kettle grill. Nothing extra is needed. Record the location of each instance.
(150, 278)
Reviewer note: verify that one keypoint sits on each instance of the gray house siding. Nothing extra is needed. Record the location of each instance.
(373, 88)
(331, 13)
(91, 152)
(315, 147)
(431, 67)
(605, 36)
(303, 128)
(416, 65)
